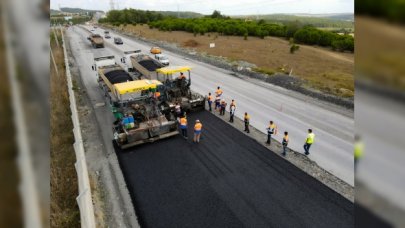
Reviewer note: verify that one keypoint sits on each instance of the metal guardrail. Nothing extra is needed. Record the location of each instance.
(84, 199)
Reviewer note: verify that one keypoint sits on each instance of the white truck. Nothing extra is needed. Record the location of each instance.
(126, 59)
(102, 59)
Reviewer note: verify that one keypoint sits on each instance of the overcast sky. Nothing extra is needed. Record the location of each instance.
(228, 7)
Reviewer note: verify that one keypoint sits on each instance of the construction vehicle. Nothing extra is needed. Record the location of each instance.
(126, 59)
(111, 74)
(178, 89)
(145, 66)
(96, 40)
(101, 59)
(139, 118)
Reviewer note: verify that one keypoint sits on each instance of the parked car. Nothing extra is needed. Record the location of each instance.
(162, 59)
(118, 40)
(155, 50)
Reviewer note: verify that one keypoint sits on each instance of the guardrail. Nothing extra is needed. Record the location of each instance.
(84, 199)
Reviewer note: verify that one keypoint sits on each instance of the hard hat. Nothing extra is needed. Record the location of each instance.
(197, 121)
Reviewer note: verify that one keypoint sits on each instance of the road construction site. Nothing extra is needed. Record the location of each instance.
(229, 179)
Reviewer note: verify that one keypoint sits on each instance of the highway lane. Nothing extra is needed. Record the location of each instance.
(333, 144)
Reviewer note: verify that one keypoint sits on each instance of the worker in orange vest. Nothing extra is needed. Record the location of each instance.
(209, 99)
(219, 91)
(181, 76)
(183, 126)
(197, 131)
(285, 143)
(271, 130)
(222, 107)
(246, 119)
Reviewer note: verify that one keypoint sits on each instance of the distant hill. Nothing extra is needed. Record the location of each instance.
(181, 14)
(317, 20)
(335, 16)
(78, 10)
(54, 12)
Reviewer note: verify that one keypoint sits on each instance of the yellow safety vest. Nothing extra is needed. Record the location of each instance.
(310, 138)
(247, 117)
(358, 150)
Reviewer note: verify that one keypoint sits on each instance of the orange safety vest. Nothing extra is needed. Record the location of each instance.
(157, 94)
(219, 91)
(209, 98)
(183, 121)
(198, 126)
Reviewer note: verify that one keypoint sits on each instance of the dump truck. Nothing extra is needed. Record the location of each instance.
(177, 89)
(110, 75)
(139, 118)
(96, 40)
(145, 66)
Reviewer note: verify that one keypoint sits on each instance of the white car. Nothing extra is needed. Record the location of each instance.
(162, 59)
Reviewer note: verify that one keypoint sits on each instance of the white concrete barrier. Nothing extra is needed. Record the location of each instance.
(84, 199)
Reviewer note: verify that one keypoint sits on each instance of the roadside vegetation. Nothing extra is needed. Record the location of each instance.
(223, 25)
(64, 188)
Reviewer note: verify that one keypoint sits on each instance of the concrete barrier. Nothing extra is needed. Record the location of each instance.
(84, 199)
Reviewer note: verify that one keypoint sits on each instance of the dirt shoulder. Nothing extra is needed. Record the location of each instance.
(319, 68)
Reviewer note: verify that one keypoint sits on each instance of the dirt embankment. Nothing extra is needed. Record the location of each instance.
(319, 68)
(63, 177)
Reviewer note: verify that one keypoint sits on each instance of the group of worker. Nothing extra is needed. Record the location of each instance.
(197, 128)
(221, 105)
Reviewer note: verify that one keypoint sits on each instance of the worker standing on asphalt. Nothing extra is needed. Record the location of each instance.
(197, 131)
(246, 119)
(309, 141)
(219, 91)
(285, 143)
(272, 129)
(183, 126)
(217, 102)
(358, 150)
(232, 108)
(223, 107)
(209, 99)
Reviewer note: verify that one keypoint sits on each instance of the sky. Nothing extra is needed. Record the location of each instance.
(227, 7)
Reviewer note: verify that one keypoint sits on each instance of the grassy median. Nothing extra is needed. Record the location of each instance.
(64, 188)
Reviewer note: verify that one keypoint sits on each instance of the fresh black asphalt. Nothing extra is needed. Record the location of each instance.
(228, 180)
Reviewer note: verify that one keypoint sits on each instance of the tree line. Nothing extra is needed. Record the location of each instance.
(304, 34)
